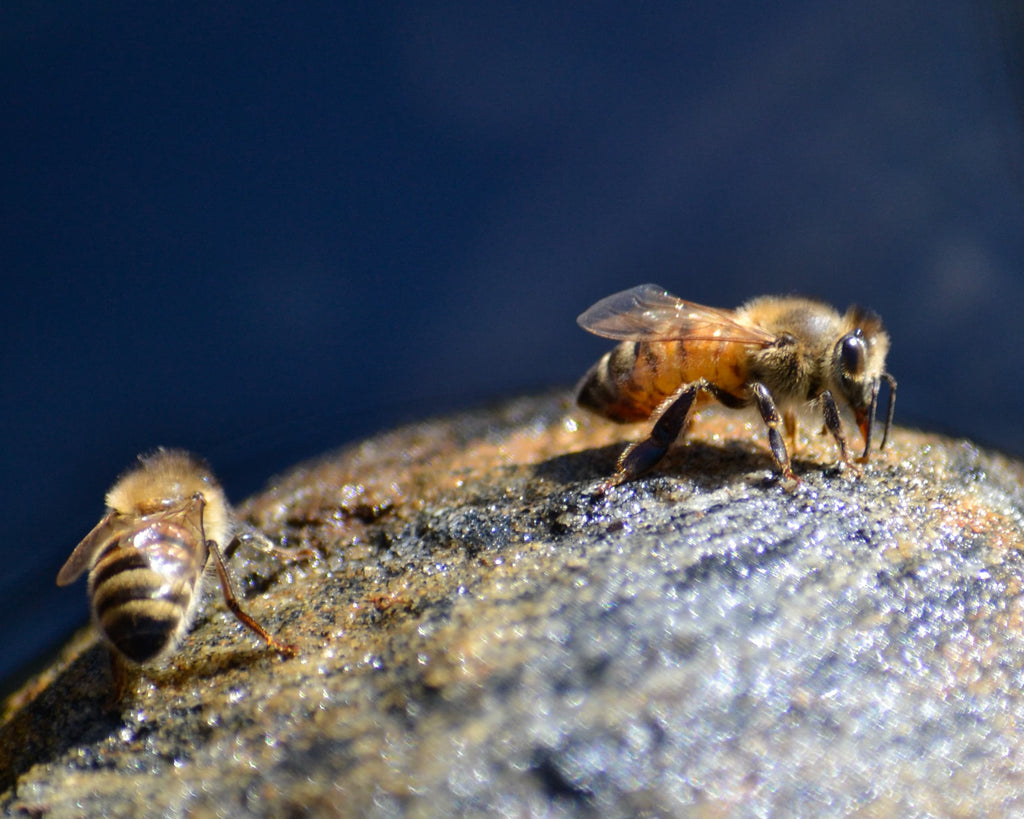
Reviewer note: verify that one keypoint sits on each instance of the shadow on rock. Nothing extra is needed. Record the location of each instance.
(706, 465)
(32, 734)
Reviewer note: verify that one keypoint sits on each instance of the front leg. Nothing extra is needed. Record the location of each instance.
(833, 423)
(251, 537)
(772, 420)
(241, 615)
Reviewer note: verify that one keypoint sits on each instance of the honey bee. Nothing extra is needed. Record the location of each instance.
(771, 351)
(147, 557)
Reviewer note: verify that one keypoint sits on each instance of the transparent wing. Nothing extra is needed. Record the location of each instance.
(648, 313)
(103, 532)
(114, 527)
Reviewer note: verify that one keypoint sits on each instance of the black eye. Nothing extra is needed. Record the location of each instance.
(853, 353)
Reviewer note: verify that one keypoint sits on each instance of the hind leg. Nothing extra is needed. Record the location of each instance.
(644, 455)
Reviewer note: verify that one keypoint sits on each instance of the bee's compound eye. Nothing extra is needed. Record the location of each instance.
(853, 353)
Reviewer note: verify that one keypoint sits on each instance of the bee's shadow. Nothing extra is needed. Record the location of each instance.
(74, 710)
(79, 708)
(706, 465)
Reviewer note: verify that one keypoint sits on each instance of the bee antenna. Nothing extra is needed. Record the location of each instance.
(892, 406)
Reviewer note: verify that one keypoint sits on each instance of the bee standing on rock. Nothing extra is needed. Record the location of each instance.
(770, 351)
(147, 557)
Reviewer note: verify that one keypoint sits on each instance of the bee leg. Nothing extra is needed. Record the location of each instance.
(790, 423)
(244, 618)
(250, 536)
(643, 455)
(772, 420)
(834, 425)
(124, 681)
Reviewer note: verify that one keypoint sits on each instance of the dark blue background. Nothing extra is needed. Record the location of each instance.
(260, 230)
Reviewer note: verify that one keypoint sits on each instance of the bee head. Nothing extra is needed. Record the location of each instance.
(858, 365)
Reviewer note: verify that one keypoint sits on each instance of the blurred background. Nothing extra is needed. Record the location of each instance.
(261, 231)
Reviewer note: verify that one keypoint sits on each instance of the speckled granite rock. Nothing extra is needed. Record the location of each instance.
(480, 633)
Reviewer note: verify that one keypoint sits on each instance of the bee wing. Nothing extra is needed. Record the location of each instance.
(648, 312)
(80, 558)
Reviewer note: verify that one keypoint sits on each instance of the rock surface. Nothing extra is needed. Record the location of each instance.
(481, 633)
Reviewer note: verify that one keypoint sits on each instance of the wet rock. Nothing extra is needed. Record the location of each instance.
(482, 633)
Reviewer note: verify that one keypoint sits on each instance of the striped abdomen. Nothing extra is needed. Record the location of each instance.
(632, 380)
(143, 589)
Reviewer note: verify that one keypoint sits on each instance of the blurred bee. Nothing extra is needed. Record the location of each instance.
(147, 556)
(771, 351)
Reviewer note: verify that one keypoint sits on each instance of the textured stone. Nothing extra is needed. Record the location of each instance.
(482, 633)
